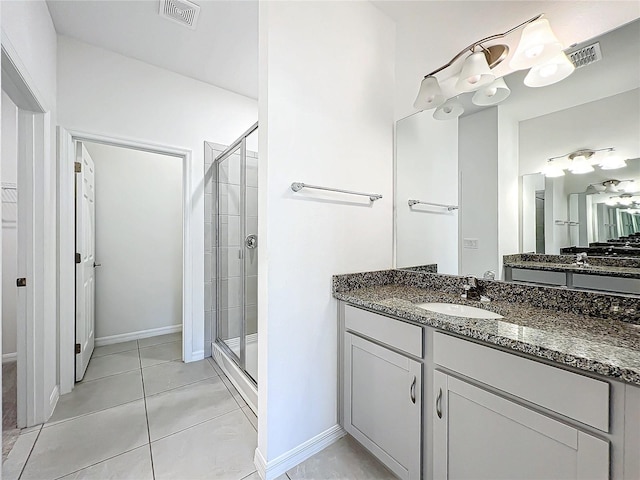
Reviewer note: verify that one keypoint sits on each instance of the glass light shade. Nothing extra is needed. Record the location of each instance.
(595, 188)
(612, 161)
(627, 186)
(550, 72)
(450, 110)
(611, 188)
(475, 73)
(580, 165)
(626, 201)
(430, 95)
(491, 94)
(552, 170)
(537, 44)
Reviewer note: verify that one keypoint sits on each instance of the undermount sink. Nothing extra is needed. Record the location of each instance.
(456, 310)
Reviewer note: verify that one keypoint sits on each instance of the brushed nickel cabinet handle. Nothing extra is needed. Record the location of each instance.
(439, 404)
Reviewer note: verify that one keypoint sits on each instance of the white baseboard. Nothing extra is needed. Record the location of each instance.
(276, 467)
(125, 337)
(9, 357)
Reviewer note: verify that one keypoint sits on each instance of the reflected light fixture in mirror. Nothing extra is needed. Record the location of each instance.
(580, 163)
(612, 161)
(552, 170)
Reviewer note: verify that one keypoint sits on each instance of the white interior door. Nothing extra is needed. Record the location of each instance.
(85, 259)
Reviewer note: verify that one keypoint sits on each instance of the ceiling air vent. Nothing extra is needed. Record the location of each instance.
(183, 12)
(585, 55)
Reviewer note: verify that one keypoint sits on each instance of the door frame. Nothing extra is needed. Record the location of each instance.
(66, 242)
(37, 390)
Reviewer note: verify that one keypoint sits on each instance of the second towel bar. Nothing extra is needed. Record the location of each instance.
(448, 207)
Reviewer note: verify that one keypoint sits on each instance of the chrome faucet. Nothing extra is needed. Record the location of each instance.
(581, 259)
(472, 291)
(489, 275)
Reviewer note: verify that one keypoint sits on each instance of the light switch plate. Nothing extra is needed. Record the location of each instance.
(471, 243)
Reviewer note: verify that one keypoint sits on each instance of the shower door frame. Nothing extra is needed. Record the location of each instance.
(239, 144)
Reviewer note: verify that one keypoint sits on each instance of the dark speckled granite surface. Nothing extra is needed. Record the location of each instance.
(606, 346)
(612, 267)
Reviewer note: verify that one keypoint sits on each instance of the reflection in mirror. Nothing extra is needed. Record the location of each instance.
(489, 163)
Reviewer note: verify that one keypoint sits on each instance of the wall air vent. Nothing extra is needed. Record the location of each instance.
(183, 12)
(585, 55)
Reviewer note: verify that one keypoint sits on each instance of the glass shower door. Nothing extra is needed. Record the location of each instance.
(230, 288)
(237, 256)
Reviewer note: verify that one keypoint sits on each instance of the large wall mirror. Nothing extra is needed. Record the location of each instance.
(480, 176)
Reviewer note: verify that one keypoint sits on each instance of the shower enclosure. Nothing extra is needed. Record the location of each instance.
(234, 271)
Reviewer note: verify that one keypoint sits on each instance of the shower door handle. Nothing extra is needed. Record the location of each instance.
(251, 241)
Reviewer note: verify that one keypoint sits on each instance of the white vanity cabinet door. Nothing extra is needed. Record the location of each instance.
(382, 401)
(481, 435)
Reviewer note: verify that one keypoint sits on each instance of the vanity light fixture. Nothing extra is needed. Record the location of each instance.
(548, 73)
(493, 93)
(538, 46)
(452, 108)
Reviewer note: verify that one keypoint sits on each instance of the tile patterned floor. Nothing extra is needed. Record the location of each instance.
(142, 414)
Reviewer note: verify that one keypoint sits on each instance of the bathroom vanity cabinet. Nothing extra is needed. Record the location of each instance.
(382, 370)
(432, 405)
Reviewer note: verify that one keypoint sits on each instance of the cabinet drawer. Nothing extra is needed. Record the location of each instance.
(611, 284)
(538, 276)
(395, 333)
(575, 396)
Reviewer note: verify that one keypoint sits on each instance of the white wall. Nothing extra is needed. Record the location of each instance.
(105, 93)
(9, 232)
(138, 240)
(29, 37)
(326, 118)
(427, 169)
(478, 164)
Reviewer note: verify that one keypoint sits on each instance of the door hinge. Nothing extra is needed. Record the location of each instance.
(77, 348)
(21, 282)
(78, 258)
(77, 167)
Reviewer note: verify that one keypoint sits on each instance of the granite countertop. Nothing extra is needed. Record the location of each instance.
(608, 347)
(606, 270)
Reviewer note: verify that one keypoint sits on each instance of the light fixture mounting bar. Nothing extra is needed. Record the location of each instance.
(480, 42)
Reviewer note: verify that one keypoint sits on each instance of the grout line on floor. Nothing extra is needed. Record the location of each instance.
(255, 471)
(60, 422)
(146, 415)
(101, 461)
(30, 452)
(174, 388)
(84, 382)
(196, 425)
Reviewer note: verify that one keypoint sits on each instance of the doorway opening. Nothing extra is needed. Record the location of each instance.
(141, 266)
(129, 247)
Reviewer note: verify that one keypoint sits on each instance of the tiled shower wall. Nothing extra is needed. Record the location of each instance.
(230, 244)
